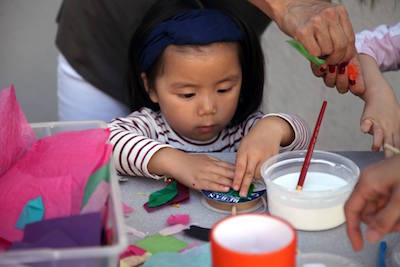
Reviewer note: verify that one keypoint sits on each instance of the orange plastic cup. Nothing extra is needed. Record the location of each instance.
(253, 240)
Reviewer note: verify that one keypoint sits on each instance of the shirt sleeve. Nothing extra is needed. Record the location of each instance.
(134, 143)
(383, 44)
(302, 134)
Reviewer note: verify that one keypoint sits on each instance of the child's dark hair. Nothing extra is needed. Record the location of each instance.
(250, 56)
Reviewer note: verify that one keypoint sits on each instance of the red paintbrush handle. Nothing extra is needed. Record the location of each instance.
(310, 149)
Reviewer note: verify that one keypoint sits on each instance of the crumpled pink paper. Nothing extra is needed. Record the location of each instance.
(55, 168)
(16, 135)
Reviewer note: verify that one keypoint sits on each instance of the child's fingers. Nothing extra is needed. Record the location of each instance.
(377, 137)
(240, 169)
(353, 210)
(330, 76)
(220, 179)
(366, 126)
(248, 178)
(212, 186)
(226, 166)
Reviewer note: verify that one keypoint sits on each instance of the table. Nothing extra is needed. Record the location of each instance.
(330, 241)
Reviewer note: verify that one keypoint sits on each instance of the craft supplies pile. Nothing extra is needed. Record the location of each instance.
(53, 189)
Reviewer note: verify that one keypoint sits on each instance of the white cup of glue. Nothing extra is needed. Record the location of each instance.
(319, 205)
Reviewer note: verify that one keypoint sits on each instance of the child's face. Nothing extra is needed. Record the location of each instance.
(198, 88)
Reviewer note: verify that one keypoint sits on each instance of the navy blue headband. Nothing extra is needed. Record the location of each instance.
(197, 27)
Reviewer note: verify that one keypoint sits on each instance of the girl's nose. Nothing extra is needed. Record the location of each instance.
(208, 106)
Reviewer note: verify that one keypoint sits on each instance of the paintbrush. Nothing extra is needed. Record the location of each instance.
(310, 149)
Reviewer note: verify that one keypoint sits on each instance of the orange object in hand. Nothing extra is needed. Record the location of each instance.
(352, 71)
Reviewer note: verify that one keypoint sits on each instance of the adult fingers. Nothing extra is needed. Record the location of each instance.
(353, 210)
(339, 41)
(322, 36)
(347, 28)
(330, 76)
(318, 70)
(342, 81)
(305, 36)
(386, 218)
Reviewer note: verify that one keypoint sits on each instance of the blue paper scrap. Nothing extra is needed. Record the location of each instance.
(32, 212)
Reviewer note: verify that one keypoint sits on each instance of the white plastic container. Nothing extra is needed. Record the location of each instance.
(319, 206)
(324, 260)
(82, 256)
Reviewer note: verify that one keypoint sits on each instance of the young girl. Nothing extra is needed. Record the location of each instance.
(197, 77)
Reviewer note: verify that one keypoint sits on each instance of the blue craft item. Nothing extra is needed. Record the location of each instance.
(198, 26)
(32, 212)
(381, 256)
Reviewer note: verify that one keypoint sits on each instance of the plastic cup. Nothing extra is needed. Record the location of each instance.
(324, 260)
(253, 240)
(319, 205)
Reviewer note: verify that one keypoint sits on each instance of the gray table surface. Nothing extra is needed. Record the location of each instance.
(333, 241)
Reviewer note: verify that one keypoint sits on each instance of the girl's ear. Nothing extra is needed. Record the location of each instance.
(150, 91)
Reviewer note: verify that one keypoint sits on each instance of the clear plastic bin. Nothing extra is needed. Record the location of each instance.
(107, 255)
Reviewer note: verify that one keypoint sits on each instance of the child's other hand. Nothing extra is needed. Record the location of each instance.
(200, 171)
(381, 118)
(262, 142)
(337, 76)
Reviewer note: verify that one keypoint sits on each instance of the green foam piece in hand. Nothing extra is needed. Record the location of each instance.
(162, 196)
(302, 50)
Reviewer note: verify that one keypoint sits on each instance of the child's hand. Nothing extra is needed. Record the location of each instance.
(381, 116)
(262, 142)
(198, 171)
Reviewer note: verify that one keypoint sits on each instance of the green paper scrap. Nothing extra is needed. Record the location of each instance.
(235, 193)
(162, 196)
(101, 174)
(302, 50)
(158, 243)
(32, 212)
(196, 257)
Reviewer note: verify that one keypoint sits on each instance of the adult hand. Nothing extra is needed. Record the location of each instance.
(323, 28)
(337, 75)
(375, 201)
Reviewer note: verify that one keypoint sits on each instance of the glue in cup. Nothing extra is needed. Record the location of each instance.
(319, 205)
(253, 240)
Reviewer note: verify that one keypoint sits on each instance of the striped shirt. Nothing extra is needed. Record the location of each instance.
(137, 137)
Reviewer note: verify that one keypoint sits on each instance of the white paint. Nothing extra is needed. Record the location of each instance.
(315, 181)
(305, 212)
(252, 233)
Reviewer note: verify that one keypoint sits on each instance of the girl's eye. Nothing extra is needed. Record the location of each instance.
(189, 95)
(224, 90)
